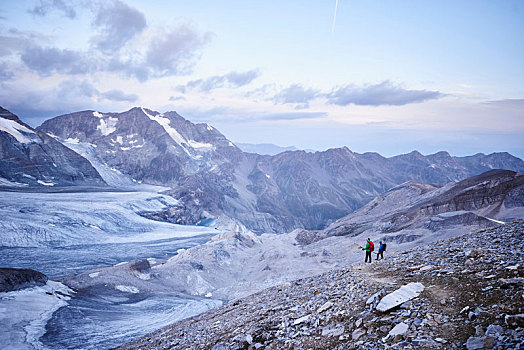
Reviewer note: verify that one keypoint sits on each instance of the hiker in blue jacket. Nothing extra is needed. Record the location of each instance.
(381, 250)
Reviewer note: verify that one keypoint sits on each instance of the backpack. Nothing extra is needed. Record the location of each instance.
(371, 246)
(384, 248)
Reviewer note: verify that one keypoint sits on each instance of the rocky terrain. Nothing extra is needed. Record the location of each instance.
(16, 279)
(215, 181)
(29, 157)
(464, 292)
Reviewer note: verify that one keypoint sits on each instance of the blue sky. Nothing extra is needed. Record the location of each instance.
(389, 76)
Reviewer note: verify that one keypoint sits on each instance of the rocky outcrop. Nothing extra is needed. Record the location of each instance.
(463, 304)
(15, 279)
(31, 157)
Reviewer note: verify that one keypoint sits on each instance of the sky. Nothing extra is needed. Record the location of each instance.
(375, 76)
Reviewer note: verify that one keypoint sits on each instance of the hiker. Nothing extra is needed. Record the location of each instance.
(381, 250)
(369, 248)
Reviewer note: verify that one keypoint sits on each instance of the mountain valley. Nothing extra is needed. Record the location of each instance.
(147, 215)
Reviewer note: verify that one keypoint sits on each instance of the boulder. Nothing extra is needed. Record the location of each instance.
(333, 330)
(475, 343)
(399, 296)
(399, 329)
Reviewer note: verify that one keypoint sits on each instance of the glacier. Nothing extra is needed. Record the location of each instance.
(66, 233)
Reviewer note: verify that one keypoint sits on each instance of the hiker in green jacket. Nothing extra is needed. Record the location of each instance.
(368, 250)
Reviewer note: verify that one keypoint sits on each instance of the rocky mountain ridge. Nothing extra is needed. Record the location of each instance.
(413, 208)
(29, 157)
(213, 179)
(472, 297)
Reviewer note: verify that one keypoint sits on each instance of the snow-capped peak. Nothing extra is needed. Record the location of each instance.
(16, 130)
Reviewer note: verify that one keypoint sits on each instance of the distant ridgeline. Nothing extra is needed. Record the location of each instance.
(210, 175)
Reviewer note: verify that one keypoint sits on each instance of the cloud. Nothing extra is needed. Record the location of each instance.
(15, 41)
(50, 5)
(242, 78)
(37, 104)
(232, 79)
(290, 116)
(119, 95)
(177, 98)
(175, 52)
(118, 23)
(5, 72)
(236, 115)
(77, 89)
(513, 103)
(296, 93)
(49, 60)
(169, 53)
(385, 93)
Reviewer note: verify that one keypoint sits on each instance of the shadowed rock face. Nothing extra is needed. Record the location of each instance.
(213, 178)
(33, 158)
(16, 279)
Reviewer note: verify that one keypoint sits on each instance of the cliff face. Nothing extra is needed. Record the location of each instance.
(31, 157)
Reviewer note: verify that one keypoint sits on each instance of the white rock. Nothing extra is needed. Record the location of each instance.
(400, 296)
(357, 333)
(301, 320)
(374, 297)
(400, 328)
(466, 308)
(324, 307)
(333, 330)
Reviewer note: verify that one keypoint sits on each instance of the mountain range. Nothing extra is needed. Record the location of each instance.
(411, 215)
(214, 180)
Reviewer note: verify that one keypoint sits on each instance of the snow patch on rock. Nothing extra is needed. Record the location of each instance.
(107, 126)
(43, 183)
(127, 289)
(16, 130)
